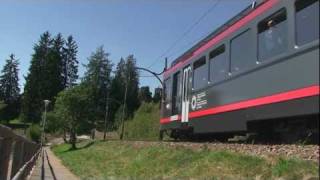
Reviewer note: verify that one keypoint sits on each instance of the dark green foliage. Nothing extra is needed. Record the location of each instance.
(126, 72)
(2, 107)
(9, 89)
(98, 79)
(70, 62)
(34, 132)
(145, 94)
(54, 123)
(157, 95)
(53, 68)
(37, 84)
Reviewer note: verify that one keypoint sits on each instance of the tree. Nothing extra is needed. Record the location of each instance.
(157, 95)
(126, 75)
(44, 80)
(2, 107)
(131, 76)
(9, 88)
(74, 107)
(145, 94)
(70, 62)
(98, 78)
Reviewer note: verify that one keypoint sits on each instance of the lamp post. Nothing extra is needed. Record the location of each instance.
(46, 103)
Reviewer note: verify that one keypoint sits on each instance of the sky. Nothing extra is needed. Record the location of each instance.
(149, 29)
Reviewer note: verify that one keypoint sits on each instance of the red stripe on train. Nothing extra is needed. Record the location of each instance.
(276, 98)
(261, 9)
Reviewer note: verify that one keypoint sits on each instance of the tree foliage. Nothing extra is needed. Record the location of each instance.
(98, 79)
(126, 75)
(53, 68)
(74, 107)
(9, 88)
(70, 63)
(144, 94)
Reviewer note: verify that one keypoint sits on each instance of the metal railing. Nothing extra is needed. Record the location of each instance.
(17, 155)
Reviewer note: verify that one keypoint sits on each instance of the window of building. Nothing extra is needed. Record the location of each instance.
(218, 64)
(176, 93)
(272, 35)
(307, 21)
(242, 52)
(167, 89)
(200, 74)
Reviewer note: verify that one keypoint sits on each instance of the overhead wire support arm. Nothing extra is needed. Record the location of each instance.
(154, 73)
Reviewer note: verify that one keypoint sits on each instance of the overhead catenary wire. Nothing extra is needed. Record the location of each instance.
(193, 25)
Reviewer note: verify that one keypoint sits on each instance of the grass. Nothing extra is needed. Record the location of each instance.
(119, 160)
(145, 123)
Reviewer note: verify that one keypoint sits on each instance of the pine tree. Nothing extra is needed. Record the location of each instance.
(98, 78)
(126, 72)
(9, 81)
(9, 88)
(33, 90)
(70, 62)
(44, 80)
(132, 77)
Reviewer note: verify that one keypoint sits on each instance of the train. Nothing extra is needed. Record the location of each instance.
(257, 74)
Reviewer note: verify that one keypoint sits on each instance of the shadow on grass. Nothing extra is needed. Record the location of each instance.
(90, 143)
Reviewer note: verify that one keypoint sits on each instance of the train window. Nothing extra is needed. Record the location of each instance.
(167, 89)
(218, 64)
(272, 35)
(200, 74)
(242, 52)
(176, 93)
(307, 21)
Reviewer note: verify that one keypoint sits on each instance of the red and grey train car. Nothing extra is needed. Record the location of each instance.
(259, 72)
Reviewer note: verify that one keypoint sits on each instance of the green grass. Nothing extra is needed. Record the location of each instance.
(118, 160)
(145, 124)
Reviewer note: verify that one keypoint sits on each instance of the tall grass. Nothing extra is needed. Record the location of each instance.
(125, 160)
(145, 123)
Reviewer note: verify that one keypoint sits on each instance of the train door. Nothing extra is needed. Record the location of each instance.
(186, 81)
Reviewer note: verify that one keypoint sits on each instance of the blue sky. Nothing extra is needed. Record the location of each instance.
(145, 28)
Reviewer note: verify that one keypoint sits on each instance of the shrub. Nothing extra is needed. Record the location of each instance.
(145, 123)
(34, 132)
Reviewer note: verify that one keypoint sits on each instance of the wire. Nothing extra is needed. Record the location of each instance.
(185, 33)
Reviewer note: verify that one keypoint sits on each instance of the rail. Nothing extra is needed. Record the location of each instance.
(17, 155)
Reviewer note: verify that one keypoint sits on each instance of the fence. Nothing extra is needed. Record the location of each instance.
(17, 155)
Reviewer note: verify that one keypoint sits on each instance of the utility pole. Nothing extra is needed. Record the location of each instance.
(106, 117)
(124, 107)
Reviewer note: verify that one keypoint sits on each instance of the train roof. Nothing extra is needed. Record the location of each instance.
(230, 22)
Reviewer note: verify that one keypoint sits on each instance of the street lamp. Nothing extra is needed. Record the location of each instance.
(46, 103)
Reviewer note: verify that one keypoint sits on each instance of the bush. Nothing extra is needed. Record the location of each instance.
(34, 132)
(53, 123)
(145, 123)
